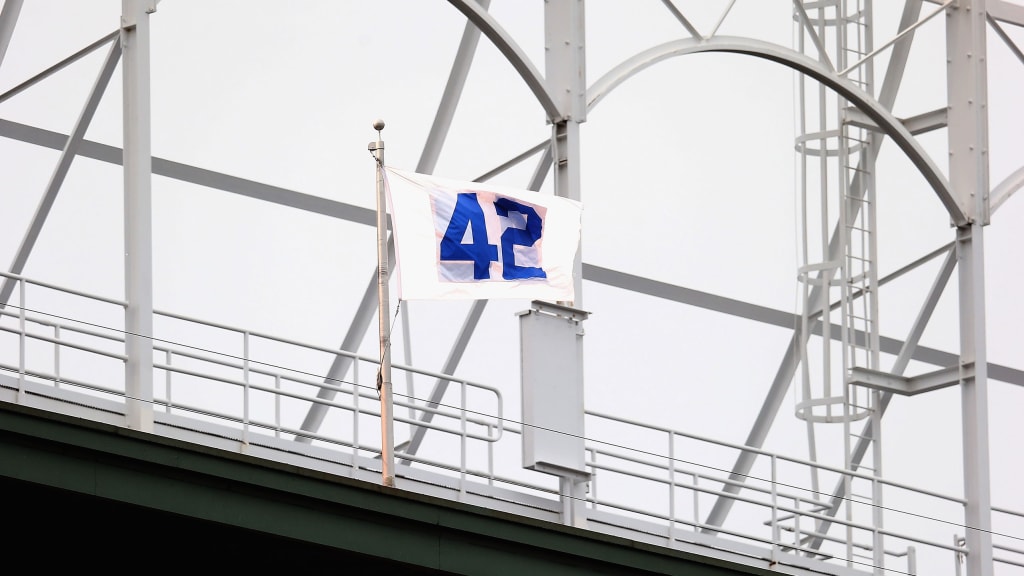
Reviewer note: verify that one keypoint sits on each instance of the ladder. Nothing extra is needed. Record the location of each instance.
(838, 275)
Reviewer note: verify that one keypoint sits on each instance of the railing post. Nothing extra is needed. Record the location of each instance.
(277, 406)
(696, 502)
(490, 456)
(22, 341)
(167, 381)
(593, 479)
(245, 390)
(797, 501)
(355, 415)
(671, 487)
(877, 541)
(462, 439)
(776, 536)
(958, 556)
(56, 356)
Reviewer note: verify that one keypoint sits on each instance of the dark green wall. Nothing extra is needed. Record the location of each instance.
(83, 494)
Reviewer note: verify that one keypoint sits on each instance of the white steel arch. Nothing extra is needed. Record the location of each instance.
(805, 65)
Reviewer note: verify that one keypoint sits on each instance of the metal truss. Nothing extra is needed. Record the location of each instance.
(964, 192)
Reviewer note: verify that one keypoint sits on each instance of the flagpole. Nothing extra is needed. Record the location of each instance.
(387, 423)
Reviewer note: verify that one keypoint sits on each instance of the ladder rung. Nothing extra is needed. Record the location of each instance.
(854, 155)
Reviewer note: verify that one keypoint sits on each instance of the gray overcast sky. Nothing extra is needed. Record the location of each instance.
(689, 178)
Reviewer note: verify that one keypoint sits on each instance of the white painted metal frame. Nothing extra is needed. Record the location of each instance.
(561, 93)
(138, 212)
(8, 19)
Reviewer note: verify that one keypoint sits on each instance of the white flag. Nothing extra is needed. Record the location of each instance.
(467, 240)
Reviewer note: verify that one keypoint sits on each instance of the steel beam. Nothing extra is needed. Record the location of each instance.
(565, 65)
(450, 98)
(682, 19)
(1001, 10)
(974, 400)
(1006, 39)
(8, 20)
(874, 109)
(967, 90)
(769, 316)
(59, 66)
(918, 124)
(60, 172)
(514, 54)
(565, 151)
(428, 160)
(565, 68)
(138, 214)
(432, 151)
(195, 175)
(359, 215)
(1004, 11)
(910, 385)
(1006, 188)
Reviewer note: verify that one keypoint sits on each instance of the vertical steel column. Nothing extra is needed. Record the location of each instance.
(138, 214)
(967, 89)
(8, 18)
(565, 71)
(974, 399)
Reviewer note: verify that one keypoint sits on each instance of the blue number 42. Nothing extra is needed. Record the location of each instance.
(469, 217)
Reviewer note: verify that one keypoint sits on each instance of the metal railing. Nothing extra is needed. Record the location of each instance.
(240, 390)
(772, 498)
(257, 386)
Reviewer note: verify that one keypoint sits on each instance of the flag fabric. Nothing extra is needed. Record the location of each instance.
(468, 240)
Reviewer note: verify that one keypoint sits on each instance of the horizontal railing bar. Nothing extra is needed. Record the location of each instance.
(782, 508)
(64, 380)
(278, 391)
(1007, 561)
(333, 404)
(116, 337)
(52, 340)
(71, 291)
(781, 457)
(336, 351)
